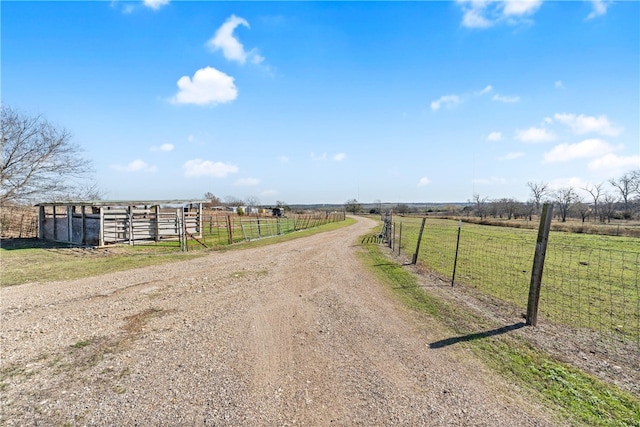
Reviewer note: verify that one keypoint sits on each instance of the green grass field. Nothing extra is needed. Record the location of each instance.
(589, 281)
(33, 260)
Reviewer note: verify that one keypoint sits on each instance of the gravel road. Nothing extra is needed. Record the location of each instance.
(296, 333)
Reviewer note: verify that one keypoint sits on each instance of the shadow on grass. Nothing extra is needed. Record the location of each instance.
(477, 335)
(30, 243)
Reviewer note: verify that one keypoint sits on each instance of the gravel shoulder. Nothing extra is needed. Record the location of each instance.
(293, 333)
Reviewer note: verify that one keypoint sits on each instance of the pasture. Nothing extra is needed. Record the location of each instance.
(590, 282)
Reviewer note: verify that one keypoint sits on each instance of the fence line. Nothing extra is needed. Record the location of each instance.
(222, 228)
(592, 289)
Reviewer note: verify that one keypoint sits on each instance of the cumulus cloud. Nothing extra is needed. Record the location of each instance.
(511, 156)
(494, 136)
(231, 47)
(339, 157)
(484, 14)
(135, 166)
(155, 4)
(163, 147)
(424, 181)
(585, 149)
(534, 134)
(520, 7)
(199, 167)
(573, 182)
(614, 163)
(599, 8)
(208, 87)
(247, 182)
(448, 101)
(581, 124)
(506, 99)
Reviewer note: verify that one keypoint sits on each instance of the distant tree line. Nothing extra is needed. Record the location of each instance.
(617, 198)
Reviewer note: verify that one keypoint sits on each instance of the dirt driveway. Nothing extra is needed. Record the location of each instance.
(295, 333)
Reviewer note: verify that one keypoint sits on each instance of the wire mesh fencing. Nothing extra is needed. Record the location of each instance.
(224, 228)
(592, 289)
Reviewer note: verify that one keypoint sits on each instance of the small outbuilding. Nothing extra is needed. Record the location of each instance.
(101, 223)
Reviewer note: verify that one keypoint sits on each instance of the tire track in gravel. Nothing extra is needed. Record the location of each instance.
(293, 333)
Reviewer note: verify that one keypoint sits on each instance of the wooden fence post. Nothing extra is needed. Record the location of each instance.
(455, 261)
(230, 232)
(415, 255)
(538, 264)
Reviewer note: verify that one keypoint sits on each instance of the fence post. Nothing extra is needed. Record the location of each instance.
(400, 239)
(455, 260)
(538, 264)
(230, 232)
(415, 255)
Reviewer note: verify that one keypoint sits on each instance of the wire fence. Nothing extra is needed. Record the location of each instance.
(223, 228)
(589, 284)
(18, 222)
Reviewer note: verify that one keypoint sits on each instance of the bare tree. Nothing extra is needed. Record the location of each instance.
(596, 192)
(252, 201)
(626, 185)
(233, 201)
(538, 192)
(564, 198)
(352, 206)
(607, 207)
(39, 161)
(480, 205)
(213, 199)
(582, 209)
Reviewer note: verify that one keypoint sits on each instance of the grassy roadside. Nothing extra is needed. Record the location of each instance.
(44, 262)
(570, 393)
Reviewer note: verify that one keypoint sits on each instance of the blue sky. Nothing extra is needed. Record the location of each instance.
(323, 102)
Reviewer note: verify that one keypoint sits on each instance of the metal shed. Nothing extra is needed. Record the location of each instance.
(100, 223)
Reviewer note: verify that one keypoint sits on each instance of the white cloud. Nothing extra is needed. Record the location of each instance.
(199, 167)
(208, 87)
(424, 181)
(614, 163)
(506, 99)
(447, 101)
(520, 7)
(246, 182)
(558, 84)
(599, 8)
(581, 124)
(487, 89)
(494, 136)
(318, 157)
(534, 134)
(511, 156)
(574, 182)
(339, 157)
(155, 4)
(163, 147)
(484, 14)
(585, 149)
(231, 47)
(283, 159)
(135, 166)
